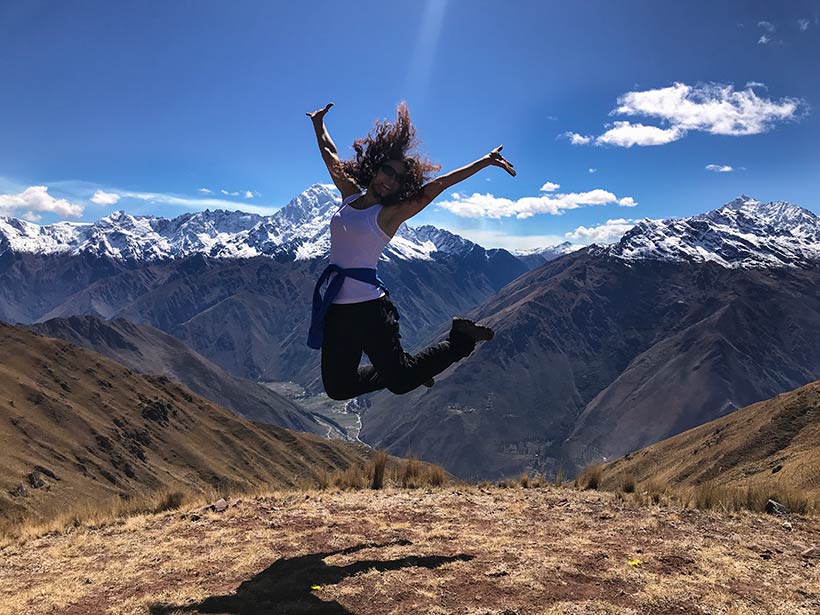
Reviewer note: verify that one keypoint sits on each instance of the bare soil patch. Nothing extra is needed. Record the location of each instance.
(447, 550)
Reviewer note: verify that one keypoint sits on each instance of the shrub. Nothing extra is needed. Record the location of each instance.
(379, 462)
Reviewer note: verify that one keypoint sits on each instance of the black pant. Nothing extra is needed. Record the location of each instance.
(372, 327)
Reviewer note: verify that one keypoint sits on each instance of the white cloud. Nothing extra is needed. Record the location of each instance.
(490, 206)
(206, 191)
(37, 198)
(763, 40)
(550, 187)
(226, 193)
(577, 139)
(627, 201)
(248, 194)
(803, 24)
(592, 170)
(626, 134)
(766, 25)
(719, 168)
(609, 232)
(105, 198)
(31, 216)
(713, 108)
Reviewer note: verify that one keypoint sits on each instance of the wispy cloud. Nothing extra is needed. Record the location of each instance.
(248, 194)
(712, 108)
(764, 40)
(500, 239)
(490, 206)
(720, 168)
(766, 25)
(803, 24)
(550, 187)
(206, 191)
(199, 203)
(593, 170)
(30, 216)
(105, 198)
(37, 198)
(608, 232)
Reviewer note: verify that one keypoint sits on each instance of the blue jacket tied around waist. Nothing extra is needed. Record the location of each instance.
(321, 304)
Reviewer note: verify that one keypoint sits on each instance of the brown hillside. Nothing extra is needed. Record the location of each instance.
(776, 441)
(147, 350)
(77, 429)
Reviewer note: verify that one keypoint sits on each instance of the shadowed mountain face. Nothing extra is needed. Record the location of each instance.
(770, 442)
(79, 429)
(597, 356)
(147, 350)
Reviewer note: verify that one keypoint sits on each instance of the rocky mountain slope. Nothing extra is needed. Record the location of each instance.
(610, 349)
(147, 350)
(79, 429)
(772, 442)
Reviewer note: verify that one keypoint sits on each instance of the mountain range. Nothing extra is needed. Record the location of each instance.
(611, 348)
(598, 351)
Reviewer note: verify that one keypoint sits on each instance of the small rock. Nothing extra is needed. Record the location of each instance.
(776, 508)
(787, 526)
(195, 517)
(766, 554)
(220, 505)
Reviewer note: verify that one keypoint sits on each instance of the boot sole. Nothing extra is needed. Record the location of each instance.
(477, 332)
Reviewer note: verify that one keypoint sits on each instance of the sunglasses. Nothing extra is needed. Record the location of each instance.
(391, 172)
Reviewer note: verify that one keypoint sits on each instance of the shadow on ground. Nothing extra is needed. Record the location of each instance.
(285, 587)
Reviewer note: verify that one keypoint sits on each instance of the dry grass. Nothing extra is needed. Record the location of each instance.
(382, 472)
(706, 496)
(590, 478)
(471, 550)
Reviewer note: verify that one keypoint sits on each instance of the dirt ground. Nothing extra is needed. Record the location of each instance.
(466, 550)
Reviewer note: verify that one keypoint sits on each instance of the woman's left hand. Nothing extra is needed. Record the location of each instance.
(497, 160)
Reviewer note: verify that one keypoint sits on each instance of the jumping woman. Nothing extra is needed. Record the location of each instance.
(385, 184)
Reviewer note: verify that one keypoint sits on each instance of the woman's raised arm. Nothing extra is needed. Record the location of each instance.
(330, 155)
(433, 188)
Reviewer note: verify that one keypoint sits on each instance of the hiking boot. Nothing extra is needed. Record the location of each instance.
(477, 333)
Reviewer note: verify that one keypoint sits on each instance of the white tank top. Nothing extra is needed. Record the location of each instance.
(356, 240)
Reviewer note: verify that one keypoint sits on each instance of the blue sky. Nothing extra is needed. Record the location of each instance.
(148, 104)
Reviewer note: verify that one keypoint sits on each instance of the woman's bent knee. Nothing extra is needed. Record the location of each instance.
(339, 393)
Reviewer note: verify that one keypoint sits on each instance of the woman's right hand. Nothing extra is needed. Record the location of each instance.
(319, 114)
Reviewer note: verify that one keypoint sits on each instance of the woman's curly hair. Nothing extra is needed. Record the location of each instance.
(391, 141)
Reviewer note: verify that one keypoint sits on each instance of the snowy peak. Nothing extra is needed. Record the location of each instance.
(742, 233)
(300, 230)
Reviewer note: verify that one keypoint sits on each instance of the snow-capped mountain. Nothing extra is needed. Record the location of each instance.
(742, 233)
(300, 230)
(535, 257)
